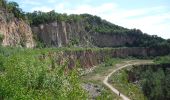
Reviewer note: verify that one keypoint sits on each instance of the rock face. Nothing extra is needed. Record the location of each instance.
(60, 34)
(108, 40)
(16, 32)
(89, 58)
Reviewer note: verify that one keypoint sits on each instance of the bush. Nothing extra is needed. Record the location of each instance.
(162, 60)
(1, 37)
(2, 61)
(29, 75)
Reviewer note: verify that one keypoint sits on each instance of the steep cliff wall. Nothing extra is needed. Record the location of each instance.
(15, 32)
(87, 58)
(114, 40)
(60, 34)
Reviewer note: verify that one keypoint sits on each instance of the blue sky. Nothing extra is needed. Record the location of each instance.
(151, 16)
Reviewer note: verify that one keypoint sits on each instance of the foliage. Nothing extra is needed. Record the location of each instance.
(168, 40)
(2, 61)
(13, 7)
(73, 42)
(120, 81)
(39, 42)
(97, 75)
(33, 74)
(3, 3)
(92, 24)
(153, 79)
(95, 24)
(103, 68)
(107, 94)
(162, 60)
(38, 17)
(1, 37)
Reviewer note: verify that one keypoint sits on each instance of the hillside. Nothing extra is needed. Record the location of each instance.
(144, 82)
(56, 29)
(67, 57)
(53, 29)
(14, 30)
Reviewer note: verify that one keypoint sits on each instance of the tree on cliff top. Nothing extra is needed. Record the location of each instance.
(3, 3)
(13, 7)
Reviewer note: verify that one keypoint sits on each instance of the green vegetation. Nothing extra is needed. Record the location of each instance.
(97, 75)
(73, 42)
(96, 24)
(1, 37)
(13, 7)
(33, 74)
(154, 81)
(3, 3)
(38, 17)
(106, 93)
(162, 60)
(102, 70)
(92, 25)
(141, 82)
(36, 74)
(120, 81)
(107, 65)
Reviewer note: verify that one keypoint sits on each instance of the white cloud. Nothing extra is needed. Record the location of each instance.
(31, 2)
(87, 9)
(52, 1)
(42, 8)
(149, 20)
(152, 24)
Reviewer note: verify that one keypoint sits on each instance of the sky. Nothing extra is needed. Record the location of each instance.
(150, 16)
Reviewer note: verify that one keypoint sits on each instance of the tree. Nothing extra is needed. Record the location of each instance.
(168, 40)
(1, 37)
(13, 7)
(3, 3)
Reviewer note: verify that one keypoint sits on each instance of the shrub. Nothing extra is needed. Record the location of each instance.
(28, 75)
(1, 37)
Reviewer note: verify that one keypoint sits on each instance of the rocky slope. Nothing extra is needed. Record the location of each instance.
(52, 29)
(61, 34)
(86, 30)
(15, 32)
(87, 58)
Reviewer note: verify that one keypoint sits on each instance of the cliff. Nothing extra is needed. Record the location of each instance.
(88, 58)
(86, 31)
(15, 31)
(62, 34)
(52, 29)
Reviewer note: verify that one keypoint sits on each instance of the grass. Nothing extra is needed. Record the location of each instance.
(107, 94)
(120, 81)
(97, 76)
(26, 74)
(102, 70)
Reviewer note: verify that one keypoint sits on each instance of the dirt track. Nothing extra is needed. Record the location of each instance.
(119, 67)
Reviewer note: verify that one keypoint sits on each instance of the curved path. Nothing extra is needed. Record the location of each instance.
(105, 81)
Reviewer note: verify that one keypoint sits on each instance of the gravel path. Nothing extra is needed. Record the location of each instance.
(105, 81)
